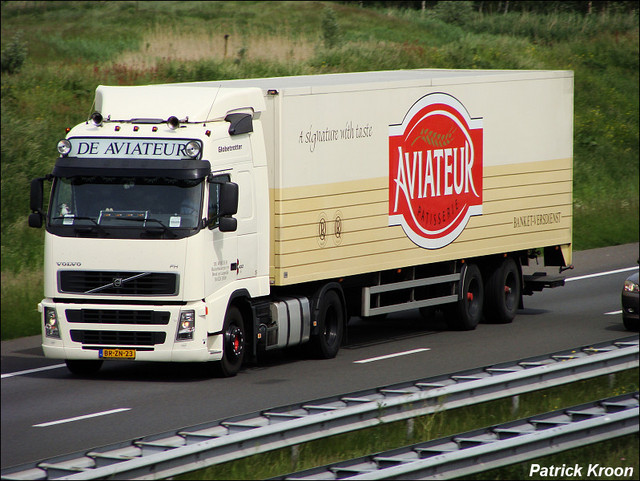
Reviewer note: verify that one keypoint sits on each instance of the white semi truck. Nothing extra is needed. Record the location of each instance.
(211, 221)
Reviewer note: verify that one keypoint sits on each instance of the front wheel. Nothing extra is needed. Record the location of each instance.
(331, 321)
(233, 343)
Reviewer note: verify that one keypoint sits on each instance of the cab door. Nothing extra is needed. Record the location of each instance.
(224, 251)
(247, 242)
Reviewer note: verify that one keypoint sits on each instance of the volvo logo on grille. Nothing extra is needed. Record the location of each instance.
(117, 282)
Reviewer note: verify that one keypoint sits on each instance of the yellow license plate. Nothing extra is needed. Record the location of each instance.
(117, 353)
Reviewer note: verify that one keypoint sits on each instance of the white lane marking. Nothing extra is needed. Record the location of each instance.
(78, 418)
(598, 274)
(29, 371)
(613, 313)
(389, 356)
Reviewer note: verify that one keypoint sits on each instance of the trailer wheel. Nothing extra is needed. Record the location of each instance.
(467, 313)
(233, 343)
(503, 292)
(331, 321)
(81, 367)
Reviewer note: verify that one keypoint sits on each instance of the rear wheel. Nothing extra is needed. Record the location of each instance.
(467, 313)
(331, 321)
(81, 367)
(503, 292)
(233, 343)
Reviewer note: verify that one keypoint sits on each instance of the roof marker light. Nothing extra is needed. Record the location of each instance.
(136, 128)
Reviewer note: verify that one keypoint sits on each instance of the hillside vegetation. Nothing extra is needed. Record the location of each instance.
(54, 55)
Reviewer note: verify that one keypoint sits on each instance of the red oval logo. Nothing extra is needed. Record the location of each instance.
(435, 170)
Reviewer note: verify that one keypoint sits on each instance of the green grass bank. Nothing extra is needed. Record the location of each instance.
(54, 55)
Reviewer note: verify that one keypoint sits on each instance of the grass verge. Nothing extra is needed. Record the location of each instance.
(21, 294)
(393, 435)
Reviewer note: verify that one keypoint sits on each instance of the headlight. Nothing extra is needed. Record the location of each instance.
(51, 327)
(64, 147)
(186, 326)
(631, 286)
(192, 149)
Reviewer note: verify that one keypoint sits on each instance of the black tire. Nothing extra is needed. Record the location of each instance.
(467, 313)
(503, 291)
(233, 343)
(81, 367)
(331, 322)
(630, 324)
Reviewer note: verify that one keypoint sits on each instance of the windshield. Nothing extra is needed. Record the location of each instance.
(135, 203)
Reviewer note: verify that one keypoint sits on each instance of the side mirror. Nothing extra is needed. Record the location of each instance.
(35, 202)
(35, 220)
(228, 199)
(228, 224)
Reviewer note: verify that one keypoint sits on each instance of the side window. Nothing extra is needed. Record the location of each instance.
(214, 196)
(63, 202)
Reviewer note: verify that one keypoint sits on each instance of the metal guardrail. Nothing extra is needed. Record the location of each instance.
(197, 447)
(492, 447)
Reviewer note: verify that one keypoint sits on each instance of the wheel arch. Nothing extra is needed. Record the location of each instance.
(241, 299)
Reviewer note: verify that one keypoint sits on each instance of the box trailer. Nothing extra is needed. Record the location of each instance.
(210, 221)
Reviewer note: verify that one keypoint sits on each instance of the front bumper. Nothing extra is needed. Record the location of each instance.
(85, 329)
(630, 305)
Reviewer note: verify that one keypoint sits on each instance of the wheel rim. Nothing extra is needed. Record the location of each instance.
(235, 341)
(330, 325)
(473, 293)
(510, 294)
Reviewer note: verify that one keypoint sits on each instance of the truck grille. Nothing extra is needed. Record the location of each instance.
(118, 338)
(120, 316)
(118, 283)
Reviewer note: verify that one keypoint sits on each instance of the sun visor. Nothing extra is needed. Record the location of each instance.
(183, 170)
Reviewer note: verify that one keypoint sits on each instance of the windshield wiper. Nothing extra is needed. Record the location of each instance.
(165, 229)
(95, 225)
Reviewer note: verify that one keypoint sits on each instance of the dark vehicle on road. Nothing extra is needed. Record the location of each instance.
(630, 302)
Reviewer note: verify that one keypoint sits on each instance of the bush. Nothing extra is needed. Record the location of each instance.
(458, 13)
(14, 55)
(330, 31)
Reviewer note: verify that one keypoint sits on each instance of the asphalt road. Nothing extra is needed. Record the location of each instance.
(49, 412)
